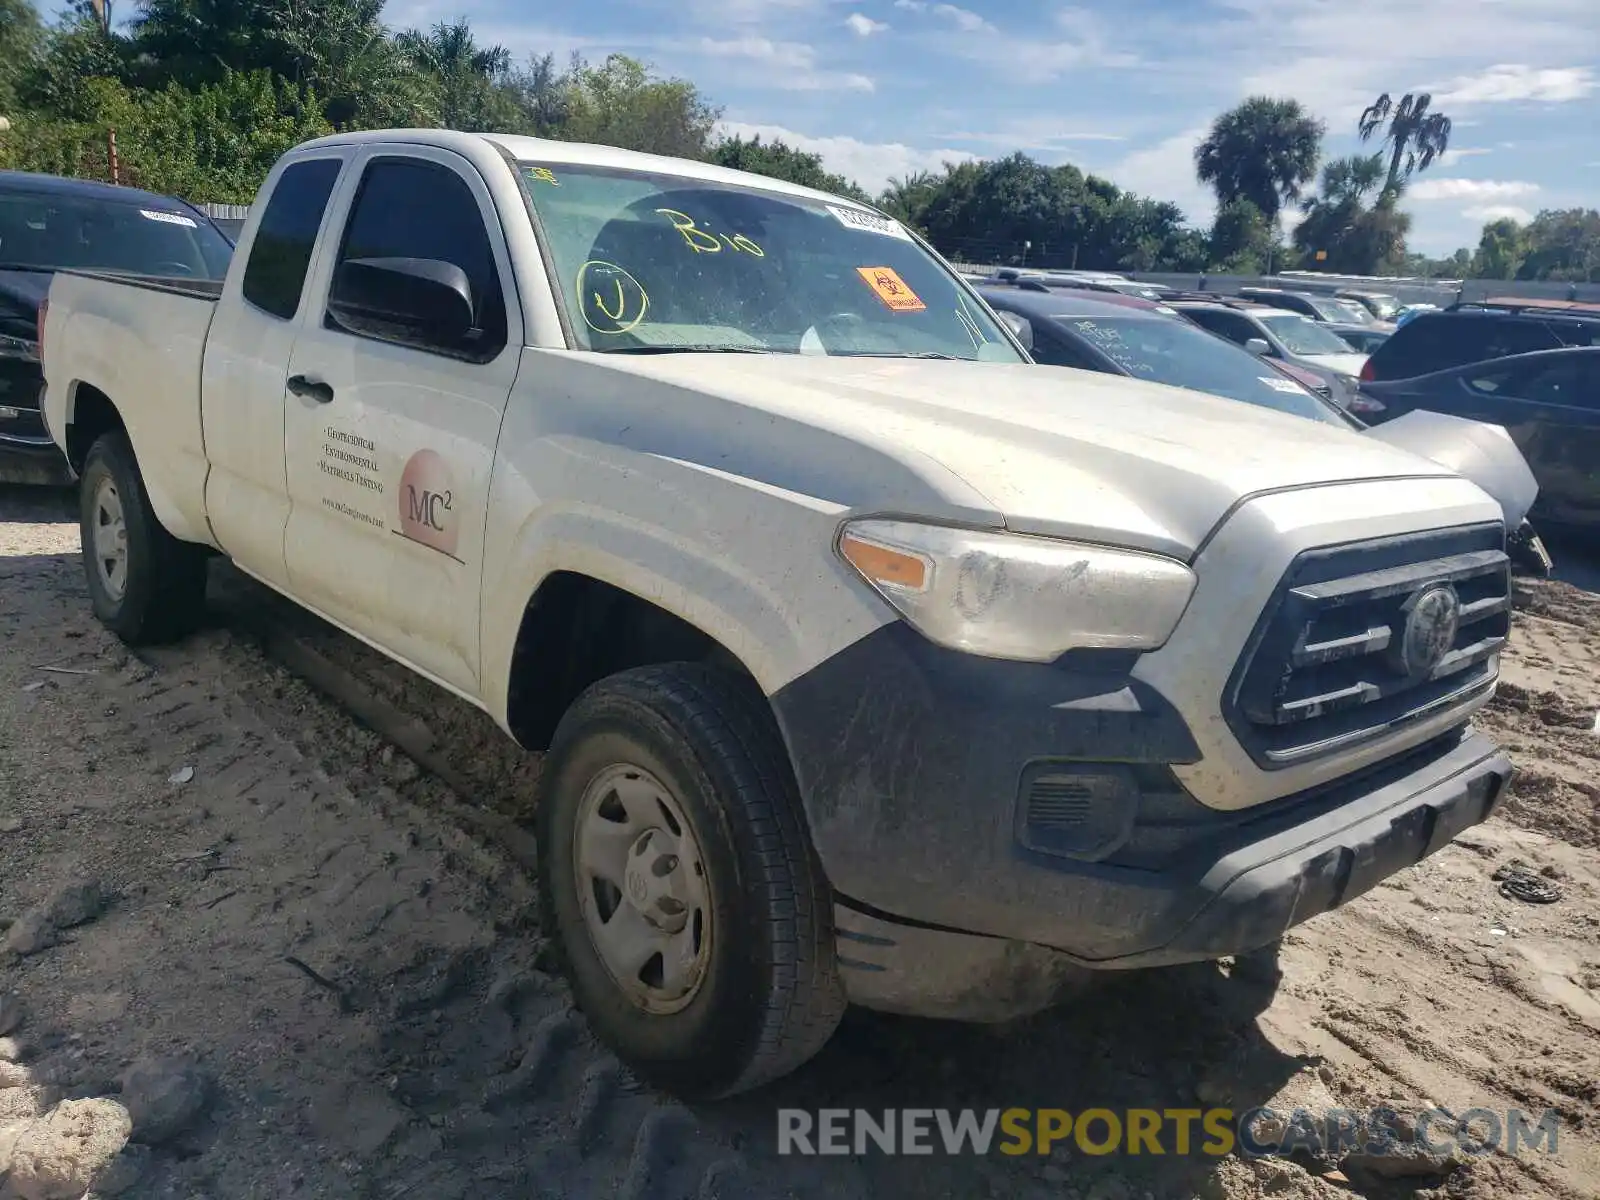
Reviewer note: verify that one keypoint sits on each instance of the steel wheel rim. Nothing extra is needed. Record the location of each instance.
(108, 542)
(642, 888)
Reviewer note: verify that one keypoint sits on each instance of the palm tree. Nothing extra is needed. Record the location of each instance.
(1416, 138)
(462, 69)
(1263, 151)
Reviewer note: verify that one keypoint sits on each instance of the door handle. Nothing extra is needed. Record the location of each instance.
(311, 389)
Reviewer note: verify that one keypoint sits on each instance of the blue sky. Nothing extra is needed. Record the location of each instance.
(885, 87)
(1123, 88)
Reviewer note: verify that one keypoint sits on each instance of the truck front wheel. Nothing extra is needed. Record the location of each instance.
(681, 884)
(146, 585)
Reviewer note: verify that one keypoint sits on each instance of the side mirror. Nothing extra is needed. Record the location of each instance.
(421, 300)
(1020, 326)
(1260, 347)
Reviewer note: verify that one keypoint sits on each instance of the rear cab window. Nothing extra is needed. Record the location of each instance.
(280, 256)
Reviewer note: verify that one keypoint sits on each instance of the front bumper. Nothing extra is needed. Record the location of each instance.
(30, 461)
(1223, 895)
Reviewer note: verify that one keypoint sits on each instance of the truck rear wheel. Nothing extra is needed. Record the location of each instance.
(146, 585)
(681, 884)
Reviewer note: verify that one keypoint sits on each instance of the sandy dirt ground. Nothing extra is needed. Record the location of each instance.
(265, 900)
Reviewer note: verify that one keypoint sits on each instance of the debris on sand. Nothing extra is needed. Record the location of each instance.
(1518, 881)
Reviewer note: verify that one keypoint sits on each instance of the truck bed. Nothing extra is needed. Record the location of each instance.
(140, 342)
(198, 289)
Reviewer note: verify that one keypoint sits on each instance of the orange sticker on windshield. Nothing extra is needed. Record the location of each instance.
(891, 289)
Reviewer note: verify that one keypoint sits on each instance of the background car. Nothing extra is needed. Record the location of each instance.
(1549, 402)
(47, 224)
(1363, 339)
(1307, 304)
(1380, 304)
(1281, 336)
(1469, 333)
(1077, 330)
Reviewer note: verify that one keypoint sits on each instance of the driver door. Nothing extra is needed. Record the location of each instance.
(391, 444)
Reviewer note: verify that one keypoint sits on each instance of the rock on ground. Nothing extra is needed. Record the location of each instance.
(60, 1156)
(164, 1096)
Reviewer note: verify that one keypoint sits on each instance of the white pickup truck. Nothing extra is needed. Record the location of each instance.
(873, 663)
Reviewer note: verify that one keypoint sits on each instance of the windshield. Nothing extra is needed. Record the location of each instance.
(1328, 310)
(51, 232)
(656, 262)
(1302, 336)
(1386, 307)
(1178, 354)
(1356, 312)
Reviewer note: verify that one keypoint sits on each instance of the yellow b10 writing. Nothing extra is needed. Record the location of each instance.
(703, 241)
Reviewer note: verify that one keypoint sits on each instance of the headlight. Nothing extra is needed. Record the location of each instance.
(1006, 595)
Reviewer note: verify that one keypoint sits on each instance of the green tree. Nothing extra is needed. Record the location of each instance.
(197, 42)
(341, 50)
(1414, 137)
(1242, 241)
(779, 160)
(1339, 223)
(622, 102)
(21, 41)
(217, 142)
(465, 76)
(1501, 249)
(1264, 151)
(1563, 245)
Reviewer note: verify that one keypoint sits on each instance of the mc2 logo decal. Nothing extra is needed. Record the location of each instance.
(427, 502)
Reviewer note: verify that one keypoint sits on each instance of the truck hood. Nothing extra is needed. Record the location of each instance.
(1044, 450)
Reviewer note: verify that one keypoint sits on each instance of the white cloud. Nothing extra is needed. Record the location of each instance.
(1507, 83)
(911, 5)
(1497, 212)
(870, 164)
(1165, 171)
(963, 19)
(1032, 133)
(1470, 189)
(864, 26)
(788, 66)
(1337, 57)
(1452, 156)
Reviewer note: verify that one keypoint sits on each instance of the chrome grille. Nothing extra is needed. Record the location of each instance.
(1338, 657)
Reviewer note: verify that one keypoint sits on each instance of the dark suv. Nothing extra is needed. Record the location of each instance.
(1469, 333)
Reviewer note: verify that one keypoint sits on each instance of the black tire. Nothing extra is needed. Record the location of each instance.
(771, 996)
(163, 596)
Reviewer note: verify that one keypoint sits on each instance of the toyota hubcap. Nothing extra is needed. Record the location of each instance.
(642, 888)
(109, 539)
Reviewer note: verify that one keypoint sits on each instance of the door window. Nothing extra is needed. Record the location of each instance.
(1570, 383)
(1053, 350)
(1231, 326)
(280, 256)
(412, 208)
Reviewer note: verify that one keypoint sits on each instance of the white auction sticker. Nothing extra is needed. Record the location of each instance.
(1280, 385)
(854, 218)
(150, 214)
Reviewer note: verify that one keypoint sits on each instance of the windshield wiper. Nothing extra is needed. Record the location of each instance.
(22, 266)
(690, 350)
(896, 354)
